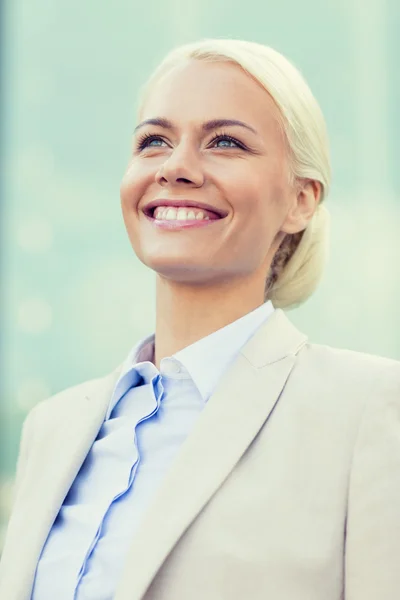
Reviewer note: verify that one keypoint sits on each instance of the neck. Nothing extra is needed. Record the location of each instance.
(186, 313)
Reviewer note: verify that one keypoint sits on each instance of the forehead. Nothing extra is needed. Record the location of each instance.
(196, 90)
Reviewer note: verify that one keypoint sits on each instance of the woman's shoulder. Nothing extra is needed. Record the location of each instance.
(344, 387)
(349, 354)
(340, 359)
(348, 370)
(320, 361)
(70, 398)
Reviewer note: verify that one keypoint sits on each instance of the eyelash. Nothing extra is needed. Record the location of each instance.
(225, 136)
(146, 138)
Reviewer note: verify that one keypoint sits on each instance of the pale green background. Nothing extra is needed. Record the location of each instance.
(74, 298)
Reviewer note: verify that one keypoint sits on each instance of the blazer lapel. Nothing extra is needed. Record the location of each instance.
(74, 424)
(227, 426)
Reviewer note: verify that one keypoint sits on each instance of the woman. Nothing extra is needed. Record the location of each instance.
(227, 457)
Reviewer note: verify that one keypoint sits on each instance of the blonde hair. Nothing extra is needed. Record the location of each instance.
(298, 264)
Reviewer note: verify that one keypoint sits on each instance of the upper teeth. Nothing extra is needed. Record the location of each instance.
(181, 214)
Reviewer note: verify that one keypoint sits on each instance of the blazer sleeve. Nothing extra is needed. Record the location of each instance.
(372, 556)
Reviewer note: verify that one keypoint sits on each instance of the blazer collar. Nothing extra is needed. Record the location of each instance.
(274, 340)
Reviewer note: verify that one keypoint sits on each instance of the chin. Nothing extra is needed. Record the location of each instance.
(176, 270)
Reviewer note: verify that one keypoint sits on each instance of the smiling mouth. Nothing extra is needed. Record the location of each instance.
(182, 209)
(182, 213)
(181, 217)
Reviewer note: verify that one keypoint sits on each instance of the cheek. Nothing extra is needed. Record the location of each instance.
(255, 185)
(259, 206)
(133, 186)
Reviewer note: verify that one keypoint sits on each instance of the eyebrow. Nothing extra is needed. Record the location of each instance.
(208, 126)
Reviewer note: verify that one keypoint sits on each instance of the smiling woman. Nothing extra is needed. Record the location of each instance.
(227, 457)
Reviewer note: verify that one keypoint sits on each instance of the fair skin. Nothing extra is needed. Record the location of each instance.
(209, 276)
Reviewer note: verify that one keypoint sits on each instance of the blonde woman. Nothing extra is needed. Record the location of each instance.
(227, 458)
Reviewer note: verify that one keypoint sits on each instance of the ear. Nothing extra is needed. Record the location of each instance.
(306, 198)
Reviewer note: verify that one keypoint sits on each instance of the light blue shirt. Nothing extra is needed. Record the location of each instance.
(150, 415)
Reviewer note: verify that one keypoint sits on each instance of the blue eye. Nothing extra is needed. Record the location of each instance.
(155, 142)
(151, 141)
(226, 141)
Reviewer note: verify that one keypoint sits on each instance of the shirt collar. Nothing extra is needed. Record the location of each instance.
(208, 358)
(142, 352)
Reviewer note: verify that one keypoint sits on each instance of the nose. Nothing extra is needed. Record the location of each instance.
(182, 167)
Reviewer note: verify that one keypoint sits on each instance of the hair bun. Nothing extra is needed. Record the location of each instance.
(303, 271)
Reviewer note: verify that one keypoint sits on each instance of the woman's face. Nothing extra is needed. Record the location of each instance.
(209, 135)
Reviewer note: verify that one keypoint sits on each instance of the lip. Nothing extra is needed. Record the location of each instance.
(182, 202)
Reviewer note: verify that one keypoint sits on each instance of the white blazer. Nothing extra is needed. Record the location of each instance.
(287, 488)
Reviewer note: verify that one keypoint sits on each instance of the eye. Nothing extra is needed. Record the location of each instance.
(226, 141)
(149, 140)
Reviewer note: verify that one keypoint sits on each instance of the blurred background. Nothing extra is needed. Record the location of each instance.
(74, 299)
